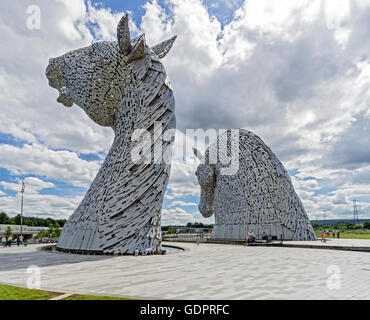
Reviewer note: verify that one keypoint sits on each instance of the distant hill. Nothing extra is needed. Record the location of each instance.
(330, 222)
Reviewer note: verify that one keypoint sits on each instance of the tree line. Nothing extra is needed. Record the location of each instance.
(32, 221)
(342, 226)
(189, 225)
(199, 225)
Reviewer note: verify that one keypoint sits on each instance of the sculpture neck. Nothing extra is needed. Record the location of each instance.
(127, 110)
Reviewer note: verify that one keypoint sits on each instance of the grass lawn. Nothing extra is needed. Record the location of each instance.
(347, 235)
(16, 293)
(84, 297)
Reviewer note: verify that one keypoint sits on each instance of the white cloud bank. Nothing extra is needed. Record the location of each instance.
(297, 73)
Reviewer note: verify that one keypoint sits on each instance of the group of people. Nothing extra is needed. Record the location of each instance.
(7, 242)
(148, 252)
(338, 234)
(250, 238)
(324, 235)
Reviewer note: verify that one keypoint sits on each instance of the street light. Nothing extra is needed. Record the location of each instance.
(22, 192)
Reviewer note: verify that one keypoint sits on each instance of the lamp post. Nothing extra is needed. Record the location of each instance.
(22, 192)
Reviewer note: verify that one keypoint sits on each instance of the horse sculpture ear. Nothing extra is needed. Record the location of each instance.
(123, 36)
(124, 41)
(138, 51)
(164, 47)
(198, 154)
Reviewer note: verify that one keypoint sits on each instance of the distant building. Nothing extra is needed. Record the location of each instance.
(192, 230)
(28, 232)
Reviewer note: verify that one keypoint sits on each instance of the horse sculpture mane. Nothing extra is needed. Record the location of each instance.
(122, 85)
(258, 197)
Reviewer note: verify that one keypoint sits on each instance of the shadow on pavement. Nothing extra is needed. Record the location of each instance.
(41, 258)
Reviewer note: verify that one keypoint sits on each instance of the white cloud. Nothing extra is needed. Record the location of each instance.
(33, 185)
(292, 72)
(35, 204)
(183, 181)
(35, 159)
(182, 204)
(179, 216)
(296, 73)
(27, 104)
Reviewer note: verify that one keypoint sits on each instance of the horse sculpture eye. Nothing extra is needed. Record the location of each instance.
(104, 62)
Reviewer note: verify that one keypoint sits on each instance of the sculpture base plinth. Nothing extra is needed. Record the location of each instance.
(261, 231)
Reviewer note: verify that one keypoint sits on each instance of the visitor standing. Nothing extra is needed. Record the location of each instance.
(9, 242)
(253, 236)
(338, 234)
(324, 237)
(3, 241)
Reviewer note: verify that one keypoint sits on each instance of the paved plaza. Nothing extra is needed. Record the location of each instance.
(207, 271)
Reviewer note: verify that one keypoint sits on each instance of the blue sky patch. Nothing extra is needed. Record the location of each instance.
(223, 10)
(63, 189)
(10, 139)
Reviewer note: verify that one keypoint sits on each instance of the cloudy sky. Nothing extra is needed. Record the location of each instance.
(295, 72)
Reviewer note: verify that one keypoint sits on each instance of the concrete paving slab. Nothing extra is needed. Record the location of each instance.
(207, 271)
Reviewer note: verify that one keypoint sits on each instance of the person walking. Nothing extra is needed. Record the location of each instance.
(3, 241)
(324, 237)
(136, 253)
(9, 242)
(338, 235)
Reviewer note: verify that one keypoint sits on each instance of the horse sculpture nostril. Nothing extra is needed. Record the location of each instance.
(205, 208)
(54, 75)
(65, 100)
